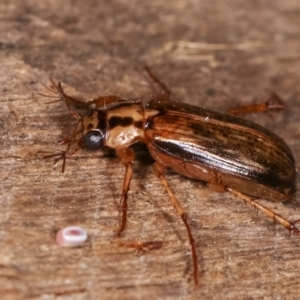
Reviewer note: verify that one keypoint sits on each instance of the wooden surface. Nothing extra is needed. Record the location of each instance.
(215, 54)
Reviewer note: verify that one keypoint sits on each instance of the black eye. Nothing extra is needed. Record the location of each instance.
(93, 140)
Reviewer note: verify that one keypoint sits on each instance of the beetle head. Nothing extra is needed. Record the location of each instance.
(91, 130)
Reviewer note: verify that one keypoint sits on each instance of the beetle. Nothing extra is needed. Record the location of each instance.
(229, 153)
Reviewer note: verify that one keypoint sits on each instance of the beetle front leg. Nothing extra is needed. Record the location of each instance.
(56, 88)
(290, 226)
(103, 101)
(127, 157)
(159, 171)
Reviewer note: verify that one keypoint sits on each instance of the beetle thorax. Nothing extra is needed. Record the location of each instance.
(125, 125)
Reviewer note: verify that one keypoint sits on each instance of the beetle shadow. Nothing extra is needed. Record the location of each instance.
(142, 155)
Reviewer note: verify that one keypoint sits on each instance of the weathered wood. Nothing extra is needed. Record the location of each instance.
(242, 52)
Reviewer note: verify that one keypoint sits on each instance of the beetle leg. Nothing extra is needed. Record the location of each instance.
(274, 103)
(127, 157)
(144, 247)
(56, 88)
(159, 171)
(290, 226)
(166, 92)
(105, 100)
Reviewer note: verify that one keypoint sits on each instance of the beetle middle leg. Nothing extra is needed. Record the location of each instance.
(166, 91)
(290, 226)
(159, 170)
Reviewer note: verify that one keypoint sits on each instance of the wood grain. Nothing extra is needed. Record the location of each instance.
(240, 52)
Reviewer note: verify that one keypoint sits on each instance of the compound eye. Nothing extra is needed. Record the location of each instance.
(93, 140)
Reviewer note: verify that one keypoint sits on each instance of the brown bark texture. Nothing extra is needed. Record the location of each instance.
(216, 54)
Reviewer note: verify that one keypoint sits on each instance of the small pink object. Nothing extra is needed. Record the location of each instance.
(71, 236)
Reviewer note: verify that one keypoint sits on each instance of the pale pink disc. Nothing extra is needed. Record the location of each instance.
(71, 236)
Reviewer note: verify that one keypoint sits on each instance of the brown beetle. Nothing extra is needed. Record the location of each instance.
(227, 152)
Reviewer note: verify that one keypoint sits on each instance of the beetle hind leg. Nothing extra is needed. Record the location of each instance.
(290, 226)
(274, 103)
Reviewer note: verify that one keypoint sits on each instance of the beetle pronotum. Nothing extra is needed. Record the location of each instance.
(230, 153)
